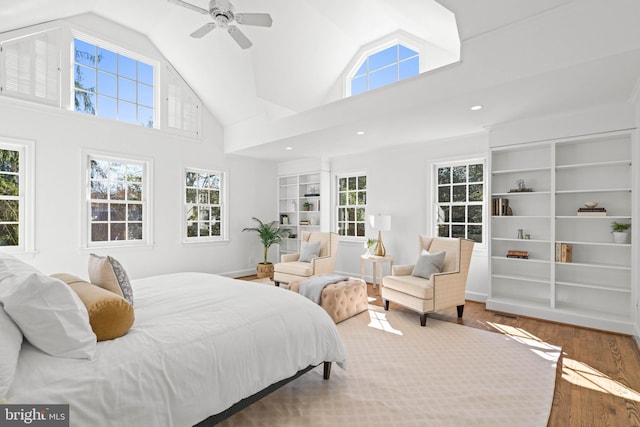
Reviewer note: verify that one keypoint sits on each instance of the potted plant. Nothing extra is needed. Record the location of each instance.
(306, 206)
(368, 244)
(620, 232)
(269, 233)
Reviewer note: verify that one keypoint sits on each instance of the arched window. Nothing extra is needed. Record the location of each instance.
(386, 66)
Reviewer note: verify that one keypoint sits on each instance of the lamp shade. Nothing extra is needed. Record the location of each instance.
(380, 222)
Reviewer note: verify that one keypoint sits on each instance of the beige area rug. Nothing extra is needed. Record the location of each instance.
(401, 374)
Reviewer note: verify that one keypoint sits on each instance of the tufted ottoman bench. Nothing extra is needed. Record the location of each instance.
(341, 300)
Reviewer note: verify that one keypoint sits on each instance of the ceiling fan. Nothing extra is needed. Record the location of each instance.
(224, 15)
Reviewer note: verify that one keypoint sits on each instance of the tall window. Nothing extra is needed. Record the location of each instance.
(118, 202)
(460, 200)
(112, 85)
(384, 67)
(204, 205)
(16, 197)
(351, 205)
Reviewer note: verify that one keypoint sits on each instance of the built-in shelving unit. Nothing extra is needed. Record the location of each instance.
(594, 289)
(303, 205)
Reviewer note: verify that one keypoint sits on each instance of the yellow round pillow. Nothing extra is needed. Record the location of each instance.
(110, 315)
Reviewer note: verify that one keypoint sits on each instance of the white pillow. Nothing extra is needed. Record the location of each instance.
(47, 311)
(10, 343)
(309, 251)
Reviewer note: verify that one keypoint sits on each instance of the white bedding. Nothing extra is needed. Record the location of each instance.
(199, 344)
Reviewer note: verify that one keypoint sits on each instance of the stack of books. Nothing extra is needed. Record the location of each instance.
(563, 252)
(592, 212)
(305, 222)
(518, 254)
(500, 207)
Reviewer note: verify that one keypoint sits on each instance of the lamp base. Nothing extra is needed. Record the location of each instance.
(379, 250)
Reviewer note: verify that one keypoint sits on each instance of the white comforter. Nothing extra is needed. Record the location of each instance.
(200, 343)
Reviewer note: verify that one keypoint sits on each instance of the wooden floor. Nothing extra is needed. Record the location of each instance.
(598, 379)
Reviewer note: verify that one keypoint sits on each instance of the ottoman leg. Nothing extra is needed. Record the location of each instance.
(386, 305)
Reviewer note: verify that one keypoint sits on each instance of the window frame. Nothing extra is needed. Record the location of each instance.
(338, 206)
(119, 50)
(223, 205)
(26, 195)
(483, 203)
(146, 199)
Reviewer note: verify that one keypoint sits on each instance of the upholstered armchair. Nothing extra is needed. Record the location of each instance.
(436, 290)
(292, 268)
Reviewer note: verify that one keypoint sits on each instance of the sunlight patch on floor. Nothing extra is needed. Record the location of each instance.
(536, 345)
(573, 371)
(379, 321)
(583, 375)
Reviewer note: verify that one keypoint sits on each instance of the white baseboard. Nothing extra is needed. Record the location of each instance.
(476, 296)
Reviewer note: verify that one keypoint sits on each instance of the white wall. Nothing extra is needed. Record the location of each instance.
(399, 184)
(59, 137)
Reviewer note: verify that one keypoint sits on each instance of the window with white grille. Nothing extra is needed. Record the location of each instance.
(117, 201)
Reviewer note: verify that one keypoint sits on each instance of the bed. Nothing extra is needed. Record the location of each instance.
(202, 345)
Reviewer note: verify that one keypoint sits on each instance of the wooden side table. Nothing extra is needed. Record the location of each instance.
(378, 262)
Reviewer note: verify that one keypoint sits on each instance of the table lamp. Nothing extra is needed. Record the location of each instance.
(381, 223)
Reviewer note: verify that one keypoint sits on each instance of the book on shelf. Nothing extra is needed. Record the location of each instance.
(592, 212)
(518, 254)
(305, 222)
(500, 207)
(564, 252)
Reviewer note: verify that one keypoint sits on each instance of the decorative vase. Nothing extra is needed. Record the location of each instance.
(620, 237)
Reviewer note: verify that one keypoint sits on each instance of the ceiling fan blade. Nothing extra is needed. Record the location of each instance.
(239, 37)
(259, 19)
(204, 30)
(190, 6)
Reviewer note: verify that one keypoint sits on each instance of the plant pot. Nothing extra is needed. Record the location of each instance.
(265, 270)
(620, 237)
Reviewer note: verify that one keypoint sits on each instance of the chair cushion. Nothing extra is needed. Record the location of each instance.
(451, 247)
(296, 268)
(309, 251)
(428, 264)
(410, 285)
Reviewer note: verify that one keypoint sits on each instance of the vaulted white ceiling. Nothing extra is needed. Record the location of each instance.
(519, 58)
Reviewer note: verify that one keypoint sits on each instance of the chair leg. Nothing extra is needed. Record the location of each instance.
(423, 319)
(386, 305)
(460, 310)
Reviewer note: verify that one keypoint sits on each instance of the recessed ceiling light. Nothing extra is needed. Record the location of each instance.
(476, 108)
(288, 148)
(360, 132)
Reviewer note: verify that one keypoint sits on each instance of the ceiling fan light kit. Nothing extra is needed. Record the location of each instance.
(223, 14)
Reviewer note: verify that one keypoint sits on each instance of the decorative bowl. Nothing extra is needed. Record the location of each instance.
(591, 205)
